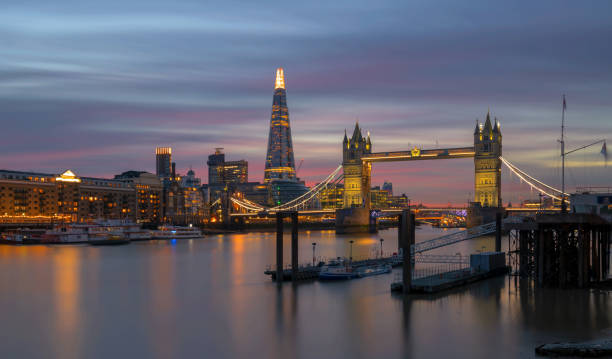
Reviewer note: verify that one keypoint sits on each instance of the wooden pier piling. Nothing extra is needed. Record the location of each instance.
(400, 232)
(564, 250)
(498, 231)
(407, 234)
(279, 244)
(294, 247)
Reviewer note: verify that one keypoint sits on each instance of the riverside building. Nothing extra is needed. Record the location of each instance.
(149, 194)
(33, 196)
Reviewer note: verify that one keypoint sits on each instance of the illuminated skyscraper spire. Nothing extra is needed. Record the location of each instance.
(279, 160)
(280, 79)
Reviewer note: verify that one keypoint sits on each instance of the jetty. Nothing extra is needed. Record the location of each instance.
(310, 271)
(447, 280)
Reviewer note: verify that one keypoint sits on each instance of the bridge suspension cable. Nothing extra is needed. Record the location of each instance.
(295, 203)
(535, 183)
(308, 195)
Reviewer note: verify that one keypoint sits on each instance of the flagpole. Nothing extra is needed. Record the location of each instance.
(563, 207)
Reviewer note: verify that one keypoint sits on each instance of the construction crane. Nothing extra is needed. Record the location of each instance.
(299, 166)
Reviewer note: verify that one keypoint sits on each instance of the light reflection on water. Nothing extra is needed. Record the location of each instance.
(210, 298)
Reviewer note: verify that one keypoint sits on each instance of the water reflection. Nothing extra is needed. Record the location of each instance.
(161, 302)
(210, 298)
(67, 292)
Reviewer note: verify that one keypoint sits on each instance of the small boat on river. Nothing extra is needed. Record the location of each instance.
(108, 240)
(176, 232)
(367, 271)
(337, 273)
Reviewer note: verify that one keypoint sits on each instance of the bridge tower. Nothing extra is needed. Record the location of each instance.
(356, 174)
(487, 165)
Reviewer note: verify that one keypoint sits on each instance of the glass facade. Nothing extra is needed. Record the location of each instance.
(163, 160)
(280, 164)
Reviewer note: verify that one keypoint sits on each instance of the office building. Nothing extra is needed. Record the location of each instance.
(280, 164)
(224, 174)
(163, 161)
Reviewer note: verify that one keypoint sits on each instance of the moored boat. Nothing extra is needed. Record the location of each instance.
(66, 234)
(19, 238)
(337, 273)
(108, 240)
(367, 271)
(130, 230)
(176, 232)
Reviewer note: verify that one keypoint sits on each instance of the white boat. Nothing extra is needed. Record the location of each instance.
(176, 232)
(66, 233)
(373, 270)
(97, 232)
(127, 229)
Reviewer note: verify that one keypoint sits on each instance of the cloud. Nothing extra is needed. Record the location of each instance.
(96, 87)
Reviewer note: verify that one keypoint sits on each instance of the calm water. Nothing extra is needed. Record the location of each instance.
(209, 298)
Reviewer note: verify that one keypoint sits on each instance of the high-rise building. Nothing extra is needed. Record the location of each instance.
(163, 157)
(279, 159)
(215, 167)
(388, 186)
(224, 174)
(221, 172)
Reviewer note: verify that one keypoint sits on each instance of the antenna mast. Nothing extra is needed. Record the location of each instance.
(563, 205)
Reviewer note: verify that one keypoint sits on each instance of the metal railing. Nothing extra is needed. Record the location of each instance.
(435, 274)
(435, 258)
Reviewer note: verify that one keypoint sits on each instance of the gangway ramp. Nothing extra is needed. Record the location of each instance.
(453, 238)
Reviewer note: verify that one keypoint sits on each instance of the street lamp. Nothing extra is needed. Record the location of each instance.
(313, 253)
(351, 255)
(381, 247)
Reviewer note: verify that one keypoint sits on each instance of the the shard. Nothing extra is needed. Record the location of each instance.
(279, 160)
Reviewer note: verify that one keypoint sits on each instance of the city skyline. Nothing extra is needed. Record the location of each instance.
(75, 97)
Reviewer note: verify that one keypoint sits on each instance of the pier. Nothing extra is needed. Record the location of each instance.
(448, 279)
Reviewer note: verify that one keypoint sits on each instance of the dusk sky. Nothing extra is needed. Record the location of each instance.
(96, 86)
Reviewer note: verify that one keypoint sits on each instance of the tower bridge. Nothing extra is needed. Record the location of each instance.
(357, 160)
(356, 170)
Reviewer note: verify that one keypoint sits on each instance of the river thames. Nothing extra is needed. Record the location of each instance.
(209, 298)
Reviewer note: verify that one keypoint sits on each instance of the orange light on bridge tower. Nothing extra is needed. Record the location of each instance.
(280, 79)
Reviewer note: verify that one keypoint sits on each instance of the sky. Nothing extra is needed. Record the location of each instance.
(96, 86)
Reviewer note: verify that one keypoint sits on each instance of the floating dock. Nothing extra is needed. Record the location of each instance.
(312, 272)
(448, 280)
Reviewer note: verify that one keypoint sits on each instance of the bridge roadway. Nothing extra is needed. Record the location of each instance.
(390, 212)
(333, 211)
(418, 154)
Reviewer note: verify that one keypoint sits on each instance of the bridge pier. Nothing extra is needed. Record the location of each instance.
(498, 231)
(294, 246)
(407, 225)
(400, 232)
(279, 247)
(355, 220)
